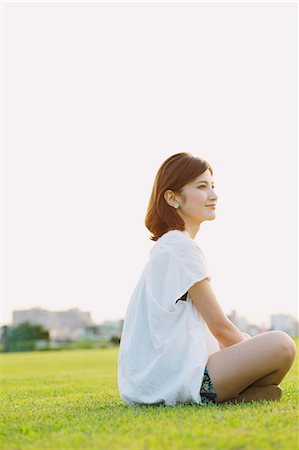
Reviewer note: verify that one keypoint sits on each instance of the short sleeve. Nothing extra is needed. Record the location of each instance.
(192, 260)
(175, 268)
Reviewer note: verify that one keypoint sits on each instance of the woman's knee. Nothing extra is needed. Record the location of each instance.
(283, 347)
(238, 366)
(285, 343)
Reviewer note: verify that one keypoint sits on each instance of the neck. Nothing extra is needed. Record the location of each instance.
(192, 230)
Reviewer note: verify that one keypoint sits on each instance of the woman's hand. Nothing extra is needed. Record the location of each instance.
(246, 335)
(221, 346)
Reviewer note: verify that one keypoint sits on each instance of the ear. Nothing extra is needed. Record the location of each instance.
(169, 196)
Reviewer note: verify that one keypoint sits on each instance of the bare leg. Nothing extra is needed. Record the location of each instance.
(274, 377)
(265, 388)
(259, 361)
(258, 393)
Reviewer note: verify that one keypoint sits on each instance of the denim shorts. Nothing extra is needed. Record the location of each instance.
(207, 391)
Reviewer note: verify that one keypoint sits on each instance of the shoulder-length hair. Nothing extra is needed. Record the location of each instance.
(173, 174)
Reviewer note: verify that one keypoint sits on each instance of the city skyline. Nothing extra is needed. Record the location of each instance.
(87, 315)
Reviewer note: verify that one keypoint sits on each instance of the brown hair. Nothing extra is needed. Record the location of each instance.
(173, 174)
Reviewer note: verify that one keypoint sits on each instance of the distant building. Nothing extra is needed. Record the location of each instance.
(62, 325)
(243, 325)
(284, 322)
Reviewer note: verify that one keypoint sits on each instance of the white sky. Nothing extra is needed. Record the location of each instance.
(95, 97)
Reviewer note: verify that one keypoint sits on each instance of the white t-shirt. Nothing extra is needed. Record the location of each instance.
(165, 343)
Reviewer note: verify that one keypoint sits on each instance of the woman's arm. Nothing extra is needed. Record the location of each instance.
(222, 328)
(244, 334)
(205, 301)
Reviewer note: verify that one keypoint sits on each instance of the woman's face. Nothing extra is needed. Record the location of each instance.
(195, 198)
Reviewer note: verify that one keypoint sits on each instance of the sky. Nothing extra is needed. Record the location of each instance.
(95, 97)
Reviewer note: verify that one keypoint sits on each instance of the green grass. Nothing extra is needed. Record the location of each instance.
(69, 400)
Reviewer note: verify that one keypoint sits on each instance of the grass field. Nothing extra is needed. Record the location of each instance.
(69, 400)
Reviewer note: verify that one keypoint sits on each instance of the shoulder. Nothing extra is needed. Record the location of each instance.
(177, 238)
(175, 250)
(174, 236)
(178, 243)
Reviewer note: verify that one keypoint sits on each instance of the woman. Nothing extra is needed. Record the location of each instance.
(164, 355)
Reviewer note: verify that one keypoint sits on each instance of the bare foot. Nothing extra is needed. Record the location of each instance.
(257, 394)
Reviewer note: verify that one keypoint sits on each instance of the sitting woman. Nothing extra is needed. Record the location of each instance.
(177, 345)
